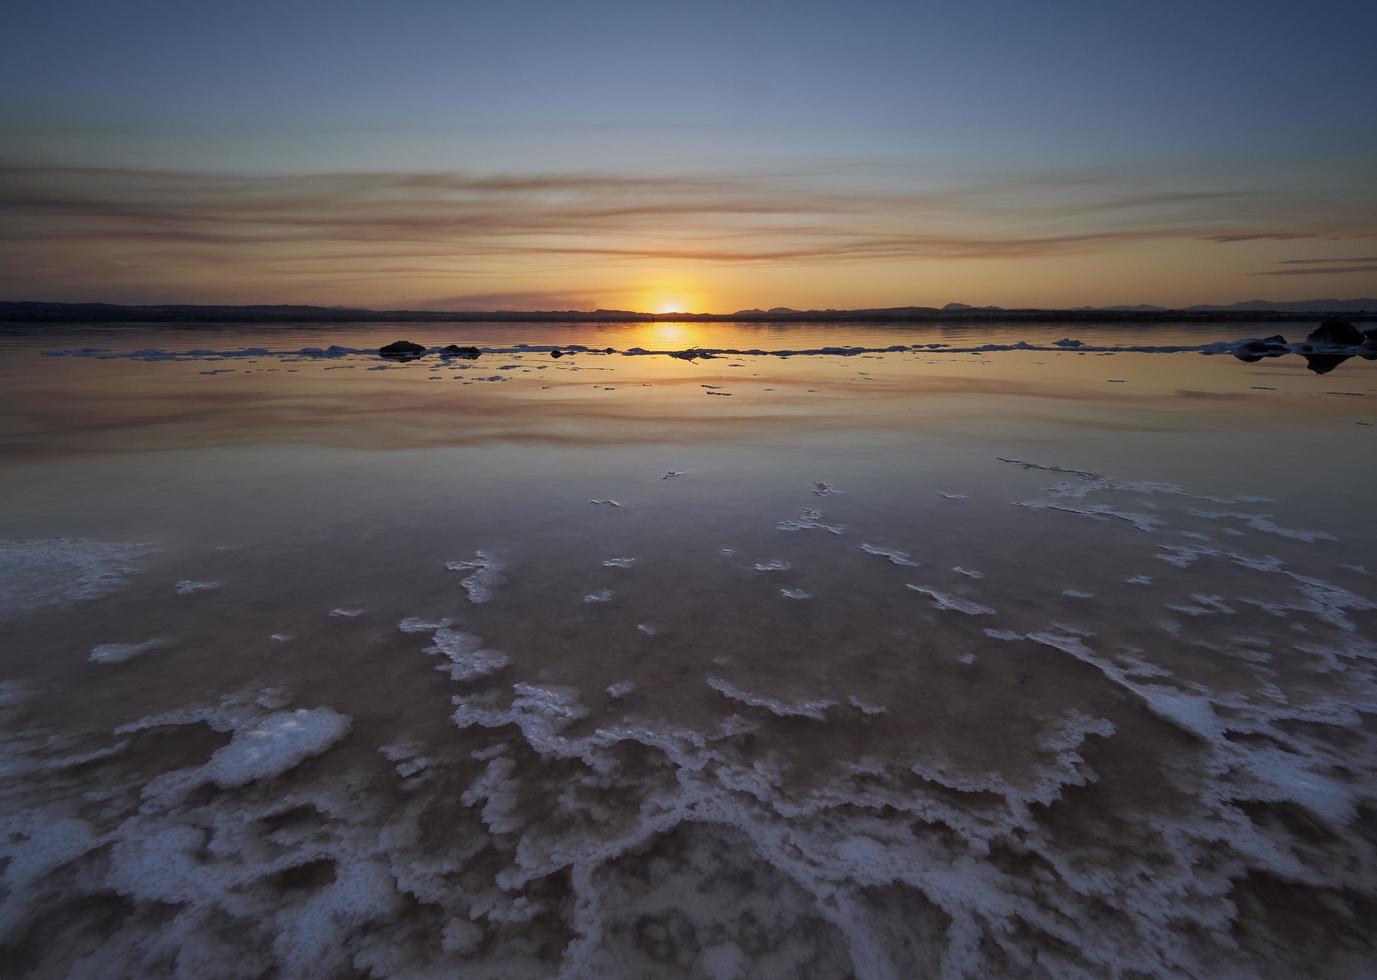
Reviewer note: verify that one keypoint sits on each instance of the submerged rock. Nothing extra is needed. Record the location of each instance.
(402, 348)
(1336, 332)
(454, 350)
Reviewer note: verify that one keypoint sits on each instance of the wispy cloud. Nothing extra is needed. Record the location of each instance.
(528, 299)
(1324, 270)
(1330, 261)
(124, 226)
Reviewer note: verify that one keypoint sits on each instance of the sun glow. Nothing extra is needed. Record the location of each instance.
(670, 295)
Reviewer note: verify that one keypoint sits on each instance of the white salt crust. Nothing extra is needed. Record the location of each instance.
(614, 845)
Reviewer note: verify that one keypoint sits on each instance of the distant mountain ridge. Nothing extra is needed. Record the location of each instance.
(42, 312)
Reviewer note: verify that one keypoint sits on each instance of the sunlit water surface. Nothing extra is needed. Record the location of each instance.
(889, 665)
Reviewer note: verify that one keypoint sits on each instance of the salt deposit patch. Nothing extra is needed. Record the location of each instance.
(1098, 512)
(275, 744)
(895, 556)
(467, 658)
(188, 586)
(51, 571)
(261, 745)
(414, 624)
(810, 520)
(941, 600)
(1264, 523)
(118, 653)
(484, 577)
(813, 708)
(865, 707)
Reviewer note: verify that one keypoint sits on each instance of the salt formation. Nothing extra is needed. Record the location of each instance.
(187, 586)
(1058, 788)
(118, 653)
(53, 571)
(941, 600)
(484, 578)
(807, 709)
(467, 658)
(895, 556)
(811, 520)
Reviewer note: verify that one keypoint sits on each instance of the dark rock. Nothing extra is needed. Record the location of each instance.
(691, 353)
(556, 354)
(401, 348)
(454, 350)
(1371, 334)
(1268, 346)
(1336, 332)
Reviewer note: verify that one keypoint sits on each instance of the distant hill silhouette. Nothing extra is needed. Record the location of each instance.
(41, 312)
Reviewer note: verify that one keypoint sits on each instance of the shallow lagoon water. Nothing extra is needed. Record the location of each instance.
(1028, 662)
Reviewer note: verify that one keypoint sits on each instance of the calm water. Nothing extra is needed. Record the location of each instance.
(1028, 662)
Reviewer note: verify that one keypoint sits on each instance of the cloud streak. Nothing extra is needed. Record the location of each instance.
(1326, 270)
(126, 228)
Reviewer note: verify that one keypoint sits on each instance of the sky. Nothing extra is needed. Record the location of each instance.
(705, 156)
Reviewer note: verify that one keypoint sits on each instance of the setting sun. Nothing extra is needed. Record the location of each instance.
(670, 294)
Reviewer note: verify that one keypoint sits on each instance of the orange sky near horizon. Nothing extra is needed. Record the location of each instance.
(674, 243)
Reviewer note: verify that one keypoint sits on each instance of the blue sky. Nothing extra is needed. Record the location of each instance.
(1221, 118)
